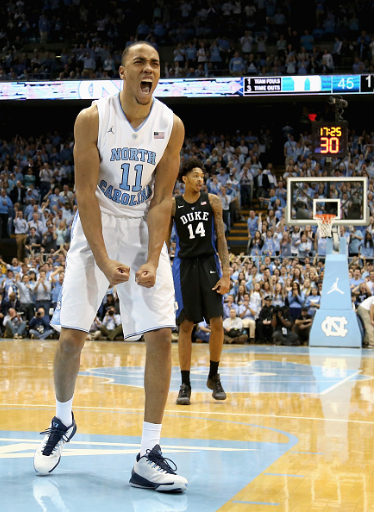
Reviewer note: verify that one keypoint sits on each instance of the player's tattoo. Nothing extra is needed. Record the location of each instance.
(216, 206)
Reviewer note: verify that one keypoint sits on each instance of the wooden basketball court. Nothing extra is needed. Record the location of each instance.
(295, 434)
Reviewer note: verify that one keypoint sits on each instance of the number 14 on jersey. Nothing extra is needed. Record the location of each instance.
(200, 230)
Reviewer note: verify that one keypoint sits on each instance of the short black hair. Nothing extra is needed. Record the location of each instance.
(126, 50)
(188, 166)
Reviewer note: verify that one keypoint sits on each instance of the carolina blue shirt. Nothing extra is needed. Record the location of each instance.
(285, 249)
(354, 242)
(5, 204)
(252, 225)
(367, 251)
(355, 283)
(191, 53)
(307, 303)
(56, 291)
(268, 248)
(54, 199)
(226, 310)
(236, 64)
(295, 302)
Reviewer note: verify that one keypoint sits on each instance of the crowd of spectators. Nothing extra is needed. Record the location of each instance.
(282, 268)
(202, 38)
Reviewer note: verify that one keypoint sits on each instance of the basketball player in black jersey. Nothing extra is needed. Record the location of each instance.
(199, 285)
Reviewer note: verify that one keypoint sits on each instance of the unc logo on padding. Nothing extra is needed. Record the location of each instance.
(334, 326)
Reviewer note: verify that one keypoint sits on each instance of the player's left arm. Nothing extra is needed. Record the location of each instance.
(160, 207)
(223, 284)
(169, 231)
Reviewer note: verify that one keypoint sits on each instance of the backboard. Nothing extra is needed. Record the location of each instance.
(345, 197)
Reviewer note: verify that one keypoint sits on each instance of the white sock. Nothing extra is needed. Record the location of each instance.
(151, 434)
(64, 411)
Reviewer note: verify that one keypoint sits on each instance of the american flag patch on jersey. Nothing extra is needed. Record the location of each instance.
(158, 135)
(203, 203)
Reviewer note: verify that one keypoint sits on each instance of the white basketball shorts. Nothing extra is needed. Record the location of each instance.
(85, 285)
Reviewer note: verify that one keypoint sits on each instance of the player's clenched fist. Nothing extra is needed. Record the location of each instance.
(115, 271)
(146, 275)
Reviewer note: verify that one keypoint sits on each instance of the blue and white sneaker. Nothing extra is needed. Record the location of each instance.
(153, 471)
(48, 454)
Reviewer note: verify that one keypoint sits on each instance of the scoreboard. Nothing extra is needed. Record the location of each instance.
(210, 87)
(305, 84)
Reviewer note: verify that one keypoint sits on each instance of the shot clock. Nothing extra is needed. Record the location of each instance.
(329, 139)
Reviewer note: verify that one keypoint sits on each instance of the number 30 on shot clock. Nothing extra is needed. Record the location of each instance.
(329, 139)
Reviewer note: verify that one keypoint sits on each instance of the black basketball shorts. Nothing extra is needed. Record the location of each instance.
(194, 280)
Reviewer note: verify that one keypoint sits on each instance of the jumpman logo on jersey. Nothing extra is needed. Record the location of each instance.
(111, 130)
(335, 288)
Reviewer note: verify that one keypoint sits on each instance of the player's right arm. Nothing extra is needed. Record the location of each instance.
(86, 159)
(169, 232)
(223, 285)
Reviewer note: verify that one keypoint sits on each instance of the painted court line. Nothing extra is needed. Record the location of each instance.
(187, 411)
(255, 503)
(283, 475)
(341, 382)
(311, 453)
(136, 445)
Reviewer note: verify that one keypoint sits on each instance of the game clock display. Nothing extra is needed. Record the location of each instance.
(329, 139)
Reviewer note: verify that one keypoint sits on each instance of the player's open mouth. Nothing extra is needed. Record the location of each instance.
(146, 86)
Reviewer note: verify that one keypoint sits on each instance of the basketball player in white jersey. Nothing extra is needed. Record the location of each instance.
(127, 155)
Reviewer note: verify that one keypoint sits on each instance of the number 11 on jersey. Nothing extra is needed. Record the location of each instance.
(124, 181)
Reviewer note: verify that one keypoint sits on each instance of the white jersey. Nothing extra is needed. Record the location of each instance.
(368, 302)
(129, 156)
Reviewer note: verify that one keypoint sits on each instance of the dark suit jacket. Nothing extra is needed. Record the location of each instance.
(13, 195)
(265, 182)
(7, 304)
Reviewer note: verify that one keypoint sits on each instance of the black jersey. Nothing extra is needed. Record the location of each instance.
(194, 227)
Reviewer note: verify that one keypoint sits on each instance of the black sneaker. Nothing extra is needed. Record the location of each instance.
(48, 454)
(214, 383)
(184, 396)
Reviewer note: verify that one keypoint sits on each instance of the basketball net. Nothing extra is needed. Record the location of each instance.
(325, 223)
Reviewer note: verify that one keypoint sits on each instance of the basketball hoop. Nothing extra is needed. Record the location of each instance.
(325, 222)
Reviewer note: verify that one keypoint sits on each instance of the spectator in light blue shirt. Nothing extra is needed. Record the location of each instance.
(367, 247)
(214, 186)
(307, 41)
(191, 53)
(203, 331)
(296, 300)
(6, 205)
(223, 177)
(356, 280)
(230, 304)
(268, 247)
(54, 197)
(356, 239)
(56, 286)
(236, 65)
(312, 302)
(252, 224)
